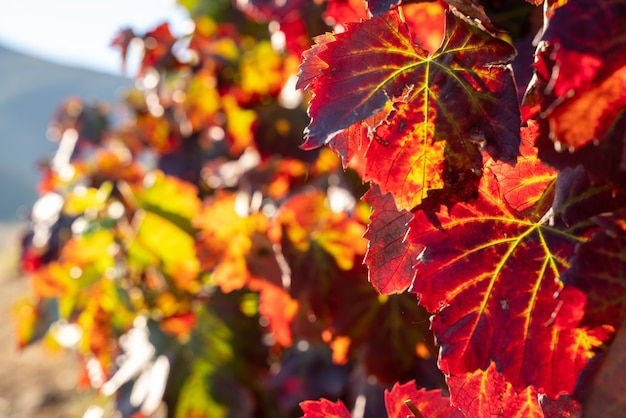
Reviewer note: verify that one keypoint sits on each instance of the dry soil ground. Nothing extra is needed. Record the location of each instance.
(34, 382)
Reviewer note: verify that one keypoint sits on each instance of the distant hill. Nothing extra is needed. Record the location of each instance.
(30, 91)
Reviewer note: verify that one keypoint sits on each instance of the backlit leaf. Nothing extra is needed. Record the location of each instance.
(169, 195)
(390, 257)
(343, 11)
(226, 238)
(580, 59)
(173, 248)
(488, 394)
(277, 306)
(525, 184)
(580, 80)
(53, 280)
(431, 404)
(426, 21)
(473, 10)
(324, 409)
(444, 102)
(491, 278)
(307, 217)
(588, 115)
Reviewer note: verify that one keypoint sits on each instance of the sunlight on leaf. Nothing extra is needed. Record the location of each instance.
(407, 154)
(431, 404)
(487, 393)
(490, 275)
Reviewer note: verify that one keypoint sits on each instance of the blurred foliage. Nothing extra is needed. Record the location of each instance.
(205, 260)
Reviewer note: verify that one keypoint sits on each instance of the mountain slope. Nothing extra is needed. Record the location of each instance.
(30, 91)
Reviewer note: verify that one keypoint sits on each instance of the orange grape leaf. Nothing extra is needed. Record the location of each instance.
(490, 277)
(588, 115)
(324, 409)
(488, 394)
(307, 218)
(91, 251)
(431, 404)
(277, 306)
(447, 105)
(226, 238)
(426, 23)
(55, 280)
(179, 325)
(339, 12)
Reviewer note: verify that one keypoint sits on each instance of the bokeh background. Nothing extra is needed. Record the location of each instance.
(50, 51)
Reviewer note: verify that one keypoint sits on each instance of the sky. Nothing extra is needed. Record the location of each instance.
(79, 32)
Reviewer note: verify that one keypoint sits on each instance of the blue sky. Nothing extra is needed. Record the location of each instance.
(79, 32)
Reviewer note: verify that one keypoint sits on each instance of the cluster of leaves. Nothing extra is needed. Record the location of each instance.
(197, 229)
(517, 254)
(194, 253)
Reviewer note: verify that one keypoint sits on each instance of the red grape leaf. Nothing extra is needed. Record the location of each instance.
(122, 41)
(473, 10)
(438, 99)
(524, 185)
(488, 394)
(603, 162)
(389, 258)
(324, 409)
(581, 58)
(491, 278)
(431, 404)
(580, 80)
(157, 52)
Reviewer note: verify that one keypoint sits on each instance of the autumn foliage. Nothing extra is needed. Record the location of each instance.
(445, 239)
